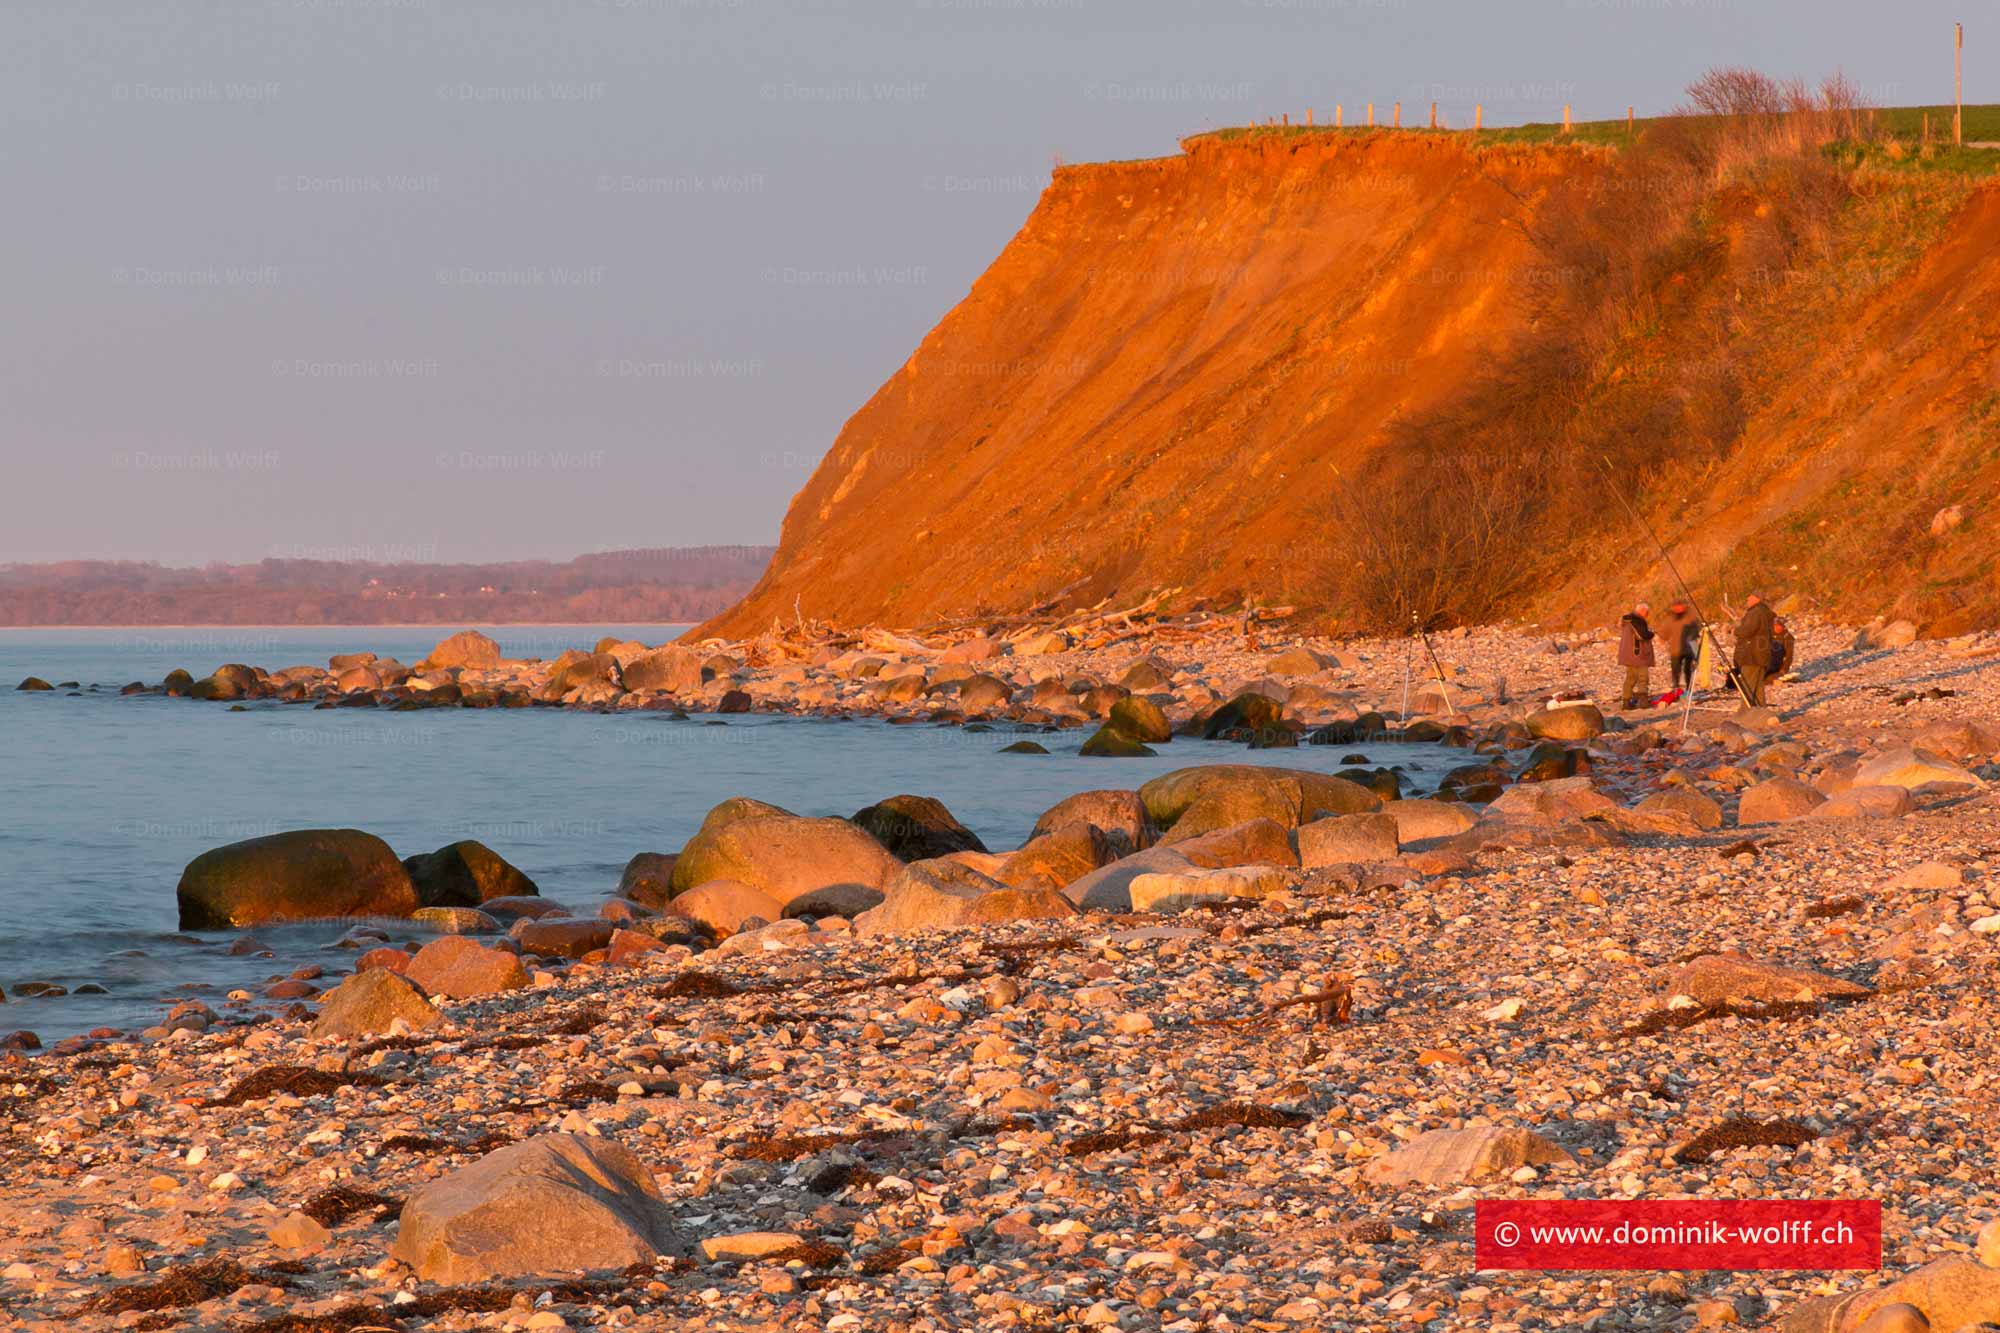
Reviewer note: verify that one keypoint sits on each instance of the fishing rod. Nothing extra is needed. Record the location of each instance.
(1437, 666)
(1708, 630)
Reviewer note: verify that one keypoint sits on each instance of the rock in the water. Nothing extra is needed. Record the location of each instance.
(917, 828)
(1776, 800)
(467, 648)
(736, 807)
(1141, 719)
(1715, 978)
(1702, 810)
(723, 905)
(672, 669)
(1118, 812)
(1056, 858)
(1915, 770)
(648, 879)
(1246, 715)
(787, 856)
(297, 876)
(1461, 1156)
(574, 669)
(550, 1205)
(462, 968)
(1569, 722)
(1024, 747)
(1170, 891)
(368, 1004)
(1108, 742)
(1348, 839)
(734, 701)
(455, 920)
(34, 683)
(465, 874)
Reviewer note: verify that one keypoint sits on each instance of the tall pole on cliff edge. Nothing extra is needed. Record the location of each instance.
(1958, 85)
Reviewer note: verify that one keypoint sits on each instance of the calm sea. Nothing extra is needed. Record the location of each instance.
(104, 799)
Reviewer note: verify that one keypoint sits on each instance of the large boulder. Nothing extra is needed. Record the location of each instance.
(1297, 661)
(787, 856)
(1569, 722)
(1054, 859)
(549, 1206)
(723, 905)
(465, 874)
(1177, 891)
(1109, 888)
(672, 668)
(368, 1004)
(1254, 842)
(1702, 811)
(917, 828)
(927, 895)
(1140, 718)
(1776, 800)
(1963, 739)
(462, 968)
(467, 648)
(1427, 821)
(1347, 840)
(574, 669)
(1914, 770)
(1866, 803)
(984, 693)
(725, 813)
(1947, 1294)
(1462, 1156)
(1557, 802)
(1108, 742)
(297, 876)
(1189, 802)
(1118, 812)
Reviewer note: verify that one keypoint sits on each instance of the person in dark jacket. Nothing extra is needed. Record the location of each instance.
(1784, 648)
(1755, 639)
(1635, 654)
(1680, 634)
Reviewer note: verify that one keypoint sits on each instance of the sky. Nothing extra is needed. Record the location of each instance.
(468, 280)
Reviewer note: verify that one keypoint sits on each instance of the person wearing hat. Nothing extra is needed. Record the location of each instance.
(1635, 654)
(1680, 633)
(1756, 635)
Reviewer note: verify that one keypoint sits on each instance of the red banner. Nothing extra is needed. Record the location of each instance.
(1629, 1234)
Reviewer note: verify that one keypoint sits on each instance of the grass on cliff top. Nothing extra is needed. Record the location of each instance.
(1902, 148)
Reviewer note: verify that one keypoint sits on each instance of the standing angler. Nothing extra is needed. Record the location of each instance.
(1755, 638)
(1680, 632)
(1635, 654)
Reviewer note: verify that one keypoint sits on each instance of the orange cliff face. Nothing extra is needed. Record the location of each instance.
(1154, 384)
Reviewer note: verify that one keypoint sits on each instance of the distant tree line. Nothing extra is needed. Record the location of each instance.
(641, 586)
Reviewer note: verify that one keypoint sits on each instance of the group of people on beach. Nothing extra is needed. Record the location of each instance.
(1765, 649)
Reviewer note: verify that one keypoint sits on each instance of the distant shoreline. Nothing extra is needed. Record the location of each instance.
(443, 625)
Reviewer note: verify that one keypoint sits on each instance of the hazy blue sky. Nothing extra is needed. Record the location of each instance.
(445, 280)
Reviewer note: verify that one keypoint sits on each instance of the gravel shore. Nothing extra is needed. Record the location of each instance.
(1135, 1120)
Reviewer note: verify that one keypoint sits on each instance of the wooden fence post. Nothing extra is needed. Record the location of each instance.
(1565, 117)
(1338, 109)
(1371, 115)
(1434, 115)
(1628, 122)
(1478, 116)
(1399, 116)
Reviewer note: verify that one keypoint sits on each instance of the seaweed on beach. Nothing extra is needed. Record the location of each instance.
(492, 1297)
(294, 1080)
(1742, 1132)
(175, 1289)
(811, 1253)
(1834, 907)
(518, 1041)
(343, 1320)
(791, 1147)
(333, 1206)
(430, 1143)
(581, 1021)
(1222, 1115)
(1679, 1020)
(697, 986)
(587, 1092)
